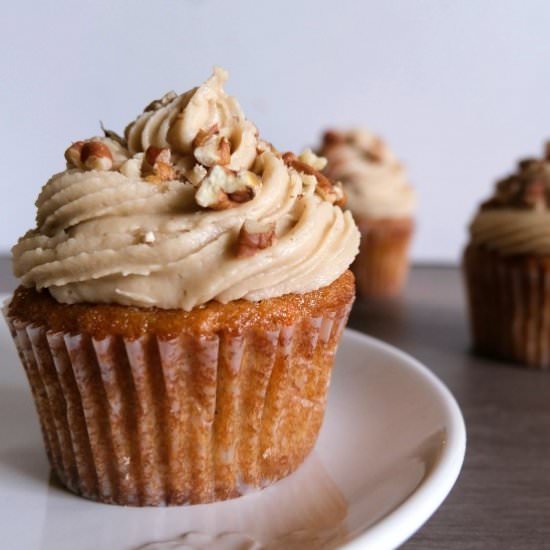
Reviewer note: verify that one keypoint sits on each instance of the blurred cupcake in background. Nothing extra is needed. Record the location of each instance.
(382, 203)
(507, 268)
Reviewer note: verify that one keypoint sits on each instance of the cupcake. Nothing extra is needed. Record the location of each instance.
(507, 268)
(182, 297)
(382, 203)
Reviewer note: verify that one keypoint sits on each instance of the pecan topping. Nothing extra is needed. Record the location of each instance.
(157, 165)
(253, 237)
(242, 195)
(96, 156)
(224, 149)
(213, 150)
(157, 154)
(529, 188)
(204, 135)
(196, 174)
(72, 154)
(325, 189)
(222, 189)
(335, 194)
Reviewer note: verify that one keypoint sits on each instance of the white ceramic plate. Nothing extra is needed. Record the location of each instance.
(390, 450)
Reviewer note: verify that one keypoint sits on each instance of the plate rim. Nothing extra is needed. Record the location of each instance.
(406, 519)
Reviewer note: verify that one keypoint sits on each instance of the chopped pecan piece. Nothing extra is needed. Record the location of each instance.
(242, 195)
(325, 188)
(225, 151)
(157, 166)
(214, 150)
(253, 237)
(335, 194)
(196, 174)
(157, 154)
(73, 153)
(96, 156)
(222, 188)
(204, 135)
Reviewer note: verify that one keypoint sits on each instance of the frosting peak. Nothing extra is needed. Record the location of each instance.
(174, 122)
(374, 180)
(157, 218)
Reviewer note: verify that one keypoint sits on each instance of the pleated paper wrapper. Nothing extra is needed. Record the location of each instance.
(509, 305)
(189, 420)
(382, 265)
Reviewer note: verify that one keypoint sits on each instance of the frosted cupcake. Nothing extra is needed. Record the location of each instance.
(382, 203)
(183, 294)
(507, 268)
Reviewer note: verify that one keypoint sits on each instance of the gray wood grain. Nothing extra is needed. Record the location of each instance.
(502, 497)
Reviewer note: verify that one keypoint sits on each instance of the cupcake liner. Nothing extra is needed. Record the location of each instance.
(197, 418)
(509, 305)
(382, 265)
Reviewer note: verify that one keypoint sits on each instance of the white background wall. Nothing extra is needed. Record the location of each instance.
(460, 89)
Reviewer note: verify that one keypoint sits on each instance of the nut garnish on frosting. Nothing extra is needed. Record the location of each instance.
(157, 165)
(327, 190)
(373, 179)
(190, 206)
(516, 219)
(528, 188)
(254, 236)
(222, 188)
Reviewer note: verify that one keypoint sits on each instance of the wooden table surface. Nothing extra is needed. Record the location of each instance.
(502, 497)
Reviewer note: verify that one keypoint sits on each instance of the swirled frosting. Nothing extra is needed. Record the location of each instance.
(512, 231)
(516, 218)
(131, 231)
(176, 122)
(374, 180)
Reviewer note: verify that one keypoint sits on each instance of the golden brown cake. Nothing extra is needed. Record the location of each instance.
(507, 268)
(382, 203)
(166, 406)
(182, 298)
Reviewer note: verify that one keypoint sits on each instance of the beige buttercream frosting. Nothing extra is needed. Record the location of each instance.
(512, 231)
(374, 180)
(137, 232)
(516, 218)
